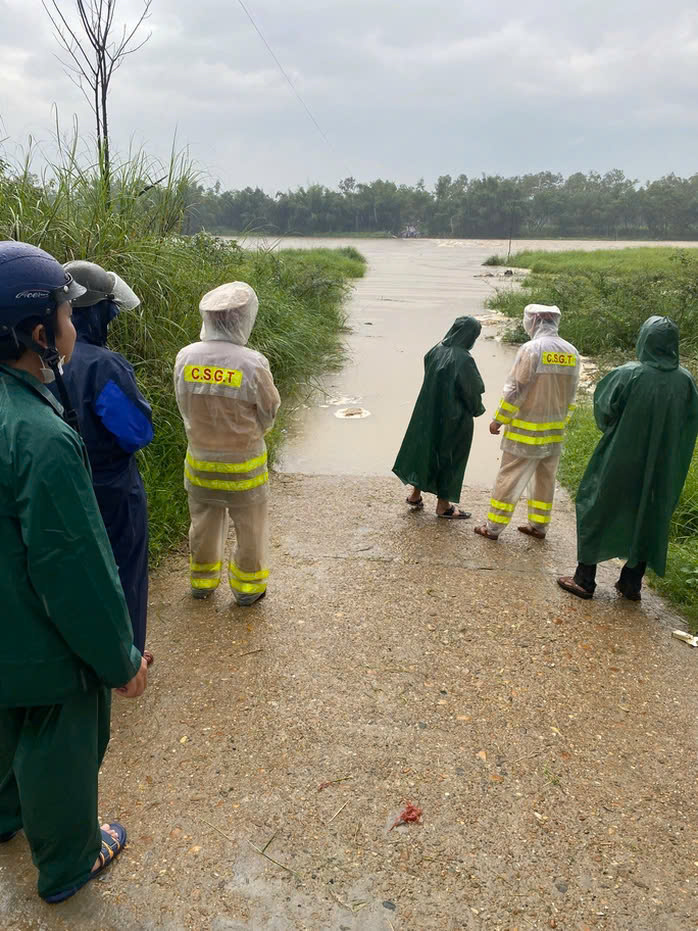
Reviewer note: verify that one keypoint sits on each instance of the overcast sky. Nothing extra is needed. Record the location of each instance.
(402, 89)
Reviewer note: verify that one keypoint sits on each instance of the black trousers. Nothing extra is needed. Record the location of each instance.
(630, 581)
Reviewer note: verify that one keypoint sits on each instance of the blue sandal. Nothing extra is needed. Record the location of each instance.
(110, 850)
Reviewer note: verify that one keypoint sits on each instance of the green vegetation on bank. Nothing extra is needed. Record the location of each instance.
(133, 229)
(605, 297)
(643, 260)
(544, 205)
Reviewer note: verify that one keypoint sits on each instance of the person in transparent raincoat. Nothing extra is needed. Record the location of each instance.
(536, 406)
(228, 401)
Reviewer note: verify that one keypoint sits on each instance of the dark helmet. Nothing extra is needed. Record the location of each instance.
(100, 285)
(32, 284)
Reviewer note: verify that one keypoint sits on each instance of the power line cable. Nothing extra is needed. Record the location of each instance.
(283, 72)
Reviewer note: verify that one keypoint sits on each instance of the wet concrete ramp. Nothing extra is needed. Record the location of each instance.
(550, 743)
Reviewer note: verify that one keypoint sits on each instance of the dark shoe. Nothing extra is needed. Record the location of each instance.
(532, 532)
(484, 532)
(8, 835)
(631, 596)
(569, 585)
(246, 601)
(454, 513)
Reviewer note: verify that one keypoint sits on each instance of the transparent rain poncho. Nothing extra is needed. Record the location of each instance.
(226, 395)
(538, 396)
(228, 401)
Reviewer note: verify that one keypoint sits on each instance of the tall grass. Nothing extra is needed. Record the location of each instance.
(133, 230)
(606, 296)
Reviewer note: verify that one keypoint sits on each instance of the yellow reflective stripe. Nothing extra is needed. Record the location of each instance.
(533, 440)
(529, 425)
(248, 576)
(538, 519)
(247, 588)
(221, 485)
(497, 518)
(501, 418)
(205, 566)
(203, 465)
(541, 505)
(204, 583)
(506, 406)
(501, 505)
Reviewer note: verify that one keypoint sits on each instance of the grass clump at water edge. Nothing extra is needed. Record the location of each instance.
(133, 229)
(606, 296)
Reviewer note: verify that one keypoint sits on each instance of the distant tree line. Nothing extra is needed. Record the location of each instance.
(536, 205)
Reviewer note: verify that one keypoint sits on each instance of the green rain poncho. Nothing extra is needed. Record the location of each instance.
(437, 443)
(648, 413)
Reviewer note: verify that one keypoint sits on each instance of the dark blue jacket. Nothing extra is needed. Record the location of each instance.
(115, 419)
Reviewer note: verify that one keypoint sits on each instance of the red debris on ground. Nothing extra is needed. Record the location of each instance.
(410, 814)
(324, 785)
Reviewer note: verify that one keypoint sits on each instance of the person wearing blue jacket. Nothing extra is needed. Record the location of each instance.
(115, 422)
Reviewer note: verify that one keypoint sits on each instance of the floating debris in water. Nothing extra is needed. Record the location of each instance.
(341, 402)
(352, 413)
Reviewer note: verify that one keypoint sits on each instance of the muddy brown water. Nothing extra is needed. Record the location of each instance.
(412, 292)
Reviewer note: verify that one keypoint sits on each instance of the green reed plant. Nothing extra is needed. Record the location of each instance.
(133, 229)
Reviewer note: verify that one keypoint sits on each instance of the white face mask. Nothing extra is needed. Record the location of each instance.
(47, 375)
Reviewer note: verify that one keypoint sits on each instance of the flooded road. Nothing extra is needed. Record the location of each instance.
(412, 291)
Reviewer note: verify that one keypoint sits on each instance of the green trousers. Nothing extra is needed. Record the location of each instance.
(49, 764)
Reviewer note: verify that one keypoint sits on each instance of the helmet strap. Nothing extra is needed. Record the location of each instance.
(52, 362)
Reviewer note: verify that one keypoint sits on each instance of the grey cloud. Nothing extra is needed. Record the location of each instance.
(402, 90)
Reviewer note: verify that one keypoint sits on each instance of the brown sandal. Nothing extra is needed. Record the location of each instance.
(569, 585)
(484, 532)
(532, 532)
(454, 513)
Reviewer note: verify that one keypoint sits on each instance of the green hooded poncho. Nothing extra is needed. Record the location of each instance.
(437, 443)
(648, 413)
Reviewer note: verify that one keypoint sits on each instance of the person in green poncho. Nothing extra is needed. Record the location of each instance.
(648, 413)
(437, 443)
(65, 633)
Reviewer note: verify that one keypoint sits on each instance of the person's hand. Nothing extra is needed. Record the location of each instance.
(136, 686)
(495, 427)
